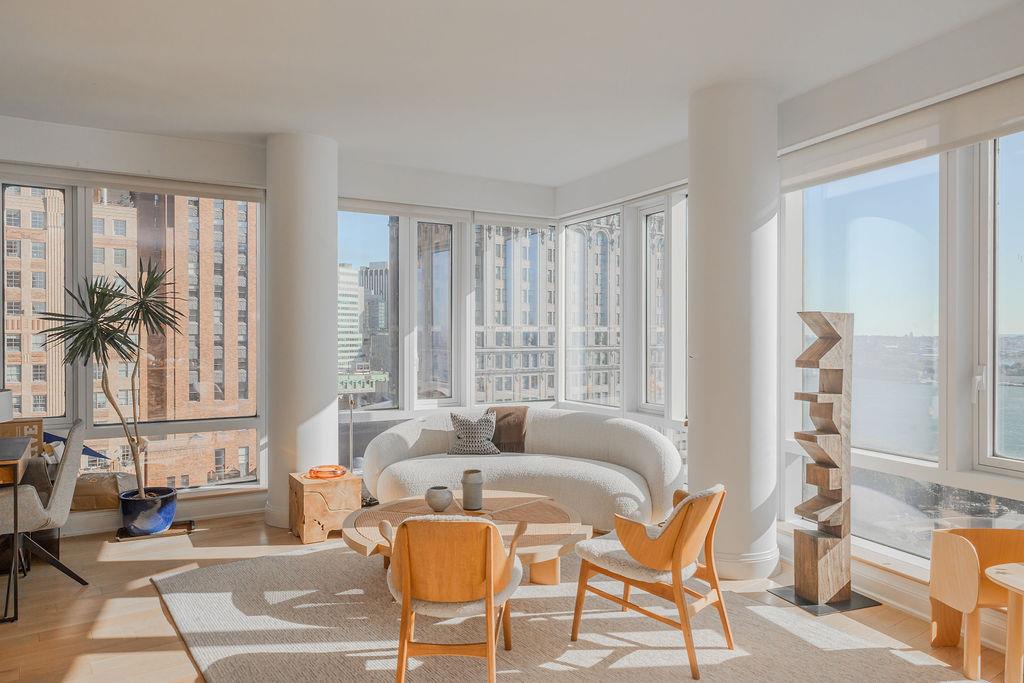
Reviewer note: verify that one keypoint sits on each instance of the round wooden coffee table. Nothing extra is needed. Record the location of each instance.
(552, 529)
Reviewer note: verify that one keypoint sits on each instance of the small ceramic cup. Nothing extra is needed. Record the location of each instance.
(438, 498)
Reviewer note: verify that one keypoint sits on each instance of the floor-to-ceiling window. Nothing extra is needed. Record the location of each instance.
(434, 333)
(210, 369)
(368, 300)
(593, 311)
(655, 307)
(514, 313)
(196, 390)
(901, 247)
(1008, 296)
(34, 260)
(871, 248)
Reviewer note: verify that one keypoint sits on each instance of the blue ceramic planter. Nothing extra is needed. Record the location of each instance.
(150, 515)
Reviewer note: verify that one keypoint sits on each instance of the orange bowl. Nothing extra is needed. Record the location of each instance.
(326, 472)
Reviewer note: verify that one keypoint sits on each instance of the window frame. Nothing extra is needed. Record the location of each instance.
(459, 301)
(985, 387)
(76, 186)
(399, 397)
(521, 223)
(628, 256)
(635, 290)
(966, 329)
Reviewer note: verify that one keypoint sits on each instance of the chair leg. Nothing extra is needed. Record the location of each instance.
(404, 636)
(726, 627)
(506, 625)
(684, 622)
(492, 655)
(972, 645)
(625, 595)
(946, 624)
(23, 562)
(581, 593)
(32, 546)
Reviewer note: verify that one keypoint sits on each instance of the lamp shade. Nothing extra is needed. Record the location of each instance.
(6, 405)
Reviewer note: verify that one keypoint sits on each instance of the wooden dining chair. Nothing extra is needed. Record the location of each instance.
(452, 566)
(959, 588)
(657, 559)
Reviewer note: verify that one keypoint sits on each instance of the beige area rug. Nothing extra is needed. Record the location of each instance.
(327, 616)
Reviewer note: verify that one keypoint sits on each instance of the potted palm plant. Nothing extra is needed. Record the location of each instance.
(110, 314)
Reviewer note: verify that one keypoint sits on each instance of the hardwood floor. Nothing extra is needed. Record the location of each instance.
(116, 628)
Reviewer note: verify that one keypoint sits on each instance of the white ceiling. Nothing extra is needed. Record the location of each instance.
(541, 91)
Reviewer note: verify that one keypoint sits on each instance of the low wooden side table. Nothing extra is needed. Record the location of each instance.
(1011, 577)
(317, 507)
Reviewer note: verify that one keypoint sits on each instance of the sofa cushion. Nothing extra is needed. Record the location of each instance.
(594, 489)
(473, 435)
(509, 428)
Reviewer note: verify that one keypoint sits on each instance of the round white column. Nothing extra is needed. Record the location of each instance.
(732, 317)
(302, 308)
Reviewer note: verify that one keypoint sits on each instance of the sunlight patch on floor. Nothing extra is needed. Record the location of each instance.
(811, 631)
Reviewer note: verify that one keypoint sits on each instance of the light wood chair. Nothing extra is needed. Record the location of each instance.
(958, 587)
(452, 566)
(657, 559)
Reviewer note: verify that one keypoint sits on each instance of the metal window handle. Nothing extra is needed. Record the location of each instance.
(980, 384)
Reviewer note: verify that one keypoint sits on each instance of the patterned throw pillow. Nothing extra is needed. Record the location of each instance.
(473, 437)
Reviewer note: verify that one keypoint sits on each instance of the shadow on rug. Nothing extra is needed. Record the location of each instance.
(327, 616)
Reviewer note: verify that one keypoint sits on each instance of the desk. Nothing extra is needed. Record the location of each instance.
(14, 454)
(1011, 577)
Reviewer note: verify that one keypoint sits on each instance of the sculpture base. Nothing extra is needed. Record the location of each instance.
(856, 601)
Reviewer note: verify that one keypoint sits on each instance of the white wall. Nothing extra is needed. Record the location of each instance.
(403, 185)
(154, 156)
(660, 169)
(975, 55)
(58, 145)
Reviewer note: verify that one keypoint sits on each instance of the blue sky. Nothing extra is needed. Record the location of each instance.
(362, 238)
(1010, 236)
(871, 247)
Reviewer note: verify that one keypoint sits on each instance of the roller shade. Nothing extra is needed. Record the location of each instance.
(979, 115)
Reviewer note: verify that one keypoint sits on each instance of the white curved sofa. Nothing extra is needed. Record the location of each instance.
(597, 465)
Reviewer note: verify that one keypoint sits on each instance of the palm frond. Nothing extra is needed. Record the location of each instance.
(147, 302)
(94, 330)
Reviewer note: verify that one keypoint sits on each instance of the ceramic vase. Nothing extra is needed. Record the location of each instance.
(472, 490)
(438, 498)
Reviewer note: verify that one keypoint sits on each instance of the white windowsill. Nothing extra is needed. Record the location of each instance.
(215, 491)
(1006, 484)
(904, 564)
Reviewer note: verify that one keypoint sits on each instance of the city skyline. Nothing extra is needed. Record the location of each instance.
(209, 244)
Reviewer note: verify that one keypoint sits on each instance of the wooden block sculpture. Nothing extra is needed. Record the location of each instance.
(317, 507)
(822, 556)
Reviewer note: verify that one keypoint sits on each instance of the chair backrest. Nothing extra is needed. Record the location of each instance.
(960, 558)
(448, 558)
(697, 528)
(689, 528)
(59, 506)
